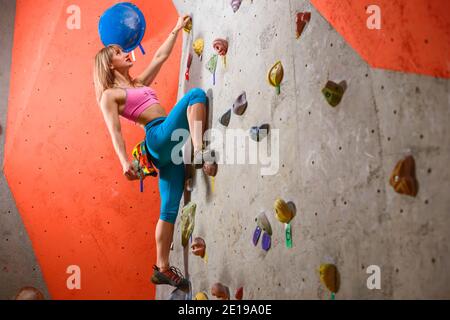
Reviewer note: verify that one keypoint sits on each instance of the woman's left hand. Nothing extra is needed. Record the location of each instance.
(182, 22)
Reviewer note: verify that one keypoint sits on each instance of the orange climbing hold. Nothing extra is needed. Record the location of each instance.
(302, 19)
(239, 293)
(220, 291)
(403, 177)
(198, 247)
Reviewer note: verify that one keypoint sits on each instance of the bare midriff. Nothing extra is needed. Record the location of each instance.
(151, 113)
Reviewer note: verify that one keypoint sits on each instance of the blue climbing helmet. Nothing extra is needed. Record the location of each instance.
(122, 24)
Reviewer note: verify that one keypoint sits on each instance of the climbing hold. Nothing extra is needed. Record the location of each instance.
(329, 277)
(198, 46)
(211, 66)
(178, 294)
(198, 247)
(239, 293)
(187, 222)
(288, 234)
(284, 212)
(259, 133)
(188, 66)
(266, 241)
(29, 293)
(240, 105)
(225, 118)
(220, 291)
(263, 222)
(333, 93)
(189, 184)
(302, 19)
(275, 75)
(403, 177)
(201, 296)
(210, 169)
(188, 26)
(235, 4)
(256, 235)
(122, 24)
(221, 47)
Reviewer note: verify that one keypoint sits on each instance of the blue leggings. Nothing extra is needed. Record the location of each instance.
(158, 133)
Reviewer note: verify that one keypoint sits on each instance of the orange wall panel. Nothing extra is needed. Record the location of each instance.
(60, 164)
(414, 35)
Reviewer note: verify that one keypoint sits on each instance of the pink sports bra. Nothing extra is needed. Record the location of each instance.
(137, 100)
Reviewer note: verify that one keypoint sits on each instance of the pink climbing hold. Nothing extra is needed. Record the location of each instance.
(221, 46)
(235, 4)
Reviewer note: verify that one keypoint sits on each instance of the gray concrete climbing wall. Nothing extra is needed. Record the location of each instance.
(334, 163)
(18, 265)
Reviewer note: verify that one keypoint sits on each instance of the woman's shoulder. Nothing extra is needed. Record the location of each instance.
(114, 93)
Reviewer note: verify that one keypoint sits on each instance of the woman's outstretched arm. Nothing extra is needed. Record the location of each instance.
(110, 112)
(162, 54)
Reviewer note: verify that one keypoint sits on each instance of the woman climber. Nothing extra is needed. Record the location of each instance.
(119, 94)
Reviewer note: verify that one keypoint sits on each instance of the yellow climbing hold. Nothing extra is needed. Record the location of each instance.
(283, 212)
(275, 75)
(188, 26)
(201, 296)
(187, 222)
(328, 276)
(198, 46)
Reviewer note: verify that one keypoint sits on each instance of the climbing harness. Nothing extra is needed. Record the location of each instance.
(142, 162)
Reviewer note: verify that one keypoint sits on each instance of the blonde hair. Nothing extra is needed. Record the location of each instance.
(103, 74)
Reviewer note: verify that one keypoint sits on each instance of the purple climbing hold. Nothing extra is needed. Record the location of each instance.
(240, 104)
(266, 240)
(235, 4)
(256, 235)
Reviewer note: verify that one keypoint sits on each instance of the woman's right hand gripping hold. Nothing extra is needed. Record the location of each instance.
(130, 171)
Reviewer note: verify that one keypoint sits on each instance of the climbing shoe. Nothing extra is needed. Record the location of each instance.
(171, 276)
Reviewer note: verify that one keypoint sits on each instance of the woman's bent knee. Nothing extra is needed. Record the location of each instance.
(197, 95)
(169, 217)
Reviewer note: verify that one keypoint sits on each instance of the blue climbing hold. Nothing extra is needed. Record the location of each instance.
(122, 24)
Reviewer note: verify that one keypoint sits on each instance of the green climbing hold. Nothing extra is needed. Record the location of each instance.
(333, 93)
(187, 222)
(211, 66)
